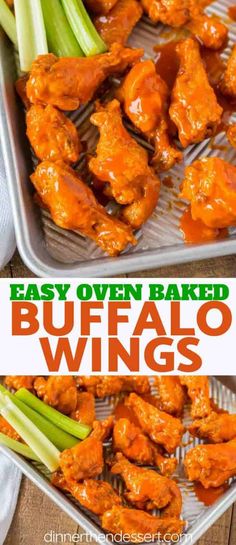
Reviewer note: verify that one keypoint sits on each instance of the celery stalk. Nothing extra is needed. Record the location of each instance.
(33, 437)
(83, 28)
(20, 448)
(8, 22)
(31, 32)
(61, 39)
(77, 429)
(59, 438)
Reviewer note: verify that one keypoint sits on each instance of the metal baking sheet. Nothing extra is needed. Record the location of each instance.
(50, 251)
(199, 517)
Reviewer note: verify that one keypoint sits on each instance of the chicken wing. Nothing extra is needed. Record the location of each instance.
(118, 24)
(102, 429)
(137, 524)
(195, 119)
(85, 408)
(210, 186)
(198, 391)
(52, 135)
(212, 465)
(96, 496)
(8, 430)
(70, 82)
(20, 86)
(122, 164)
(210, 31)
(17, 382)
(106, 386)
(161, 427)
(73, 205)
(137, 447)
(147, 490)
(60, 392)
(145, 100)
(215, 428)
(83, 461)
(231, 135)
(169, 12)
(100, 6)
(228, 84)
(171, 394)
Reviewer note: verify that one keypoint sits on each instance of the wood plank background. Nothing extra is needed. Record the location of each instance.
(36, 515)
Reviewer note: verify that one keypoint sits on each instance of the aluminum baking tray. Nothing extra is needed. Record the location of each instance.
(50, 251)
(199, 517)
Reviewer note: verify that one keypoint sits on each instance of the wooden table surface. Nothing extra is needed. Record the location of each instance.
(36, 515)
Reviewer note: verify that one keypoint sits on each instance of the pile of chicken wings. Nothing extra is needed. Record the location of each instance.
(140, 445)
(170, 119)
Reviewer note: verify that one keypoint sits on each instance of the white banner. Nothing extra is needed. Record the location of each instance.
(117, 326)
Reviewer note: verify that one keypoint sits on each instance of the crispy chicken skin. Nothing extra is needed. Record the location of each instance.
(145, 100)
(137, 447)
(228, 84)
(118, 24)
(212, 465)
(215, 428)
(17, 382)
(171, 394)
(85, 408)
(100, 6)
(73, 205)
(106, 386)
(211, 32)
(195, 119)
(138, 524)
(122, 165)
(69, 82)
(161, 427)
(52, 135)
(60, 392)
(8, 430)
(102, 429)
(169, 12)
(84, 461)
(210, 186)
(146, 489)
(198, 391)
(231, 135)
(97, 496)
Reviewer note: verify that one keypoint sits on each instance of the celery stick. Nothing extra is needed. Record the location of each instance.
(33, 437)
(59, 438)
(8, 22)
(60, 420)
(83, 28)
(20, 448)
(31, 32)
(61, 39)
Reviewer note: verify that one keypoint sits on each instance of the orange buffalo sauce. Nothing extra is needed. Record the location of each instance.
(167, 62)
(122, 411)
(195, 231)
(232, 12)
(208, 496)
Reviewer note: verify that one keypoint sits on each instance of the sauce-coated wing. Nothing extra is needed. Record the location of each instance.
(212, 465)
(228, 84)
(169, 12)
(231, 135)
(60, 392)
(171, 394)
(215, 428)
(102, 429)
(198, 391)
(73, 205)
(145, 100)
(210, 31)
(146, 489)
(138, 447)
(210, 186)
(195, 119)
(17, 382)
(106, 386)
(118, 24)
(138, 524)
(52, 135)
(85, 408)
(100, 6)
(122, 164)
(69, 82)
(84, 461)
(8, 430)
(161, 427)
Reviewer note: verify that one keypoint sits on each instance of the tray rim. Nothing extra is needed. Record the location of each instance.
(103, 267)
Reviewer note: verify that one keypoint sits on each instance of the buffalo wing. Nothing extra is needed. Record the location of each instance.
(169, 12)
(100, 6)
(171, 394)
(85, 408)
(7, 429)
(17, 382)
(198, 391)
(106, 386)
(228, 84)
(215, 428)
(83, 461)
(118, 24)
(60, 392)
(211, 465)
